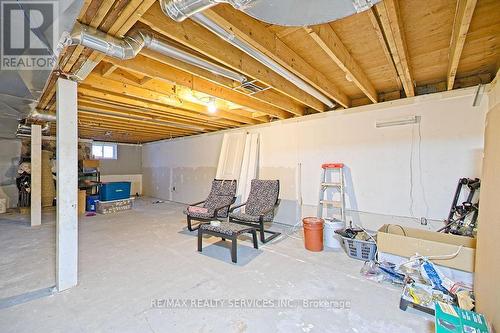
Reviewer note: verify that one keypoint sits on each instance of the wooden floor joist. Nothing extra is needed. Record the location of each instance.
(331, 44)
(392, 25)
(196, 37)
(154, 97)
(463, 17)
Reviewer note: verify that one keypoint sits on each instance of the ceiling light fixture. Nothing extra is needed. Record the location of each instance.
(211, 107)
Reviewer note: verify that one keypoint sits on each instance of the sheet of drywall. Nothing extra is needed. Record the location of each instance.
(488, 246)
(128, 162)
(10, 152)
(181, 170)
(405, 171)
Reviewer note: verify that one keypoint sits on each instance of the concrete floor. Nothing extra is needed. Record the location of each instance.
(129, 260)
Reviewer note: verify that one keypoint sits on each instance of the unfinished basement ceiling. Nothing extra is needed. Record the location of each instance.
(396, 49)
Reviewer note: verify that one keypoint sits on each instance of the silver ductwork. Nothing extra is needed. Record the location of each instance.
(25, 130)
(260, 57)
(35, 115)
(133, 43)
(179, 10)
(279, 12)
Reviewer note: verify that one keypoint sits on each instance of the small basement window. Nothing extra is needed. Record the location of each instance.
(104, 151)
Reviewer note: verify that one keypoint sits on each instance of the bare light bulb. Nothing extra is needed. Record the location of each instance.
(211, 107)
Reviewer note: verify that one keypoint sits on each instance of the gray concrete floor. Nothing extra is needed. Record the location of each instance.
(129, 260)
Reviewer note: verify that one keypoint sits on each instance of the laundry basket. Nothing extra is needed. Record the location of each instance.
(359, 249)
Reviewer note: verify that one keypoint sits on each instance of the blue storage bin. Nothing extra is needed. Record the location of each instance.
(114, 191)
(91, 203)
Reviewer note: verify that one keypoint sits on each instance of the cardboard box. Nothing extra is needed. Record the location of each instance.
(81, 201)
(452, 319)
(90, 164)
(406, 242)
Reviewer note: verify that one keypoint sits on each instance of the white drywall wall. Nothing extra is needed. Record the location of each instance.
(377, 159)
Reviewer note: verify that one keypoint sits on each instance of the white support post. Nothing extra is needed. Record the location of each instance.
(36, 175)
(67, 185)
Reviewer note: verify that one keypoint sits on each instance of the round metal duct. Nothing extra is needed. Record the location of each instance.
(305, 12)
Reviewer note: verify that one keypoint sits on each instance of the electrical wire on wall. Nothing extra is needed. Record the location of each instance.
(420, 169)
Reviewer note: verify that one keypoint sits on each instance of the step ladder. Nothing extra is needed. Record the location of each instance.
(332, 183)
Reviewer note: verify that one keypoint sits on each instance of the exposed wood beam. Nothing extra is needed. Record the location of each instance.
(107, 69)
(331, 44)
(461, 23)
(256, 34)
(197, 38)
(158, 70)
(390, 18)
(274, 99)
(383, 44)
(157, 97)
(87, 92)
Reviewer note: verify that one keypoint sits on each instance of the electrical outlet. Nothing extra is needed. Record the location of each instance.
(423, 221)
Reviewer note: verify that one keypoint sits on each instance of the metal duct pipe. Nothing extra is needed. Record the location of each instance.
(35, 115)
(260, 57)
(179, 10)
(26, 129)
(132, 44)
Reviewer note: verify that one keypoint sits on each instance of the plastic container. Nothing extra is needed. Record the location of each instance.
(359, 249)
(313, 233)
(92, 203)
(114, 191)
(3, 205)
(331, 239)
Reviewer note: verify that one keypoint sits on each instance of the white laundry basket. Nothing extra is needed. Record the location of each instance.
(330, 238)
(3, 205)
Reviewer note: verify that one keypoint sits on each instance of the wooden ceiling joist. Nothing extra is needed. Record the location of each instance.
(149, 67)
(87, 93)
(331, 44)
(156, 97)
(196, 37)
(278, 105)
(260, 37)
(392, 25)
(461, 23)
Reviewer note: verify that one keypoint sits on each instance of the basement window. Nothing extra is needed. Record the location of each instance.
(104, 151)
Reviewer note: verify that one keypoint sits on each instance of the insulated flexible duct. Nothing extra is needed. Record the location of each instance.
(132, 44)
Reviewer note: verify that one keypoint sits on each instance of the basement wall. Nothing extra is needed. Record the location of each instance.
(127, 167)
(10, 152)
(383, 164)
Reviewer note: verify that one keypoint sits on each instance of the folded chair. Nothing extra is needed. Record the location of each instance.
(216, 205)
(259, 207)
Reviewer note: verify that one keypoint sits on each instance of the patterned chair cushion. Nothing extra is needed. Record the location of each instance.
(263, 195)
(226, 228)
(244, 217)
(221, 194)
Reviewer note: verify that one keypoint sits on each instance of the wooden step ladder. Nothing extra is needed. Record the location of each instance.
(332, 181)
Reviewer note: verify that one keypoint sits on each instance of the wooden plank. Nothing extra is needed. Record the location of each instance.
(463, 17)
(274, 99)
(92, 94)
(196, 37)
(256, 34)
(107, 69)
(149, 67)
(389, 16)
(331, 44)
(383, 44)
(157, 97)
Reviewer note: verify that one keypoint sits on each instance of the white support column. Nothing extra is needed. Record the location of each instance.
(36, 175)
(67, 185)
